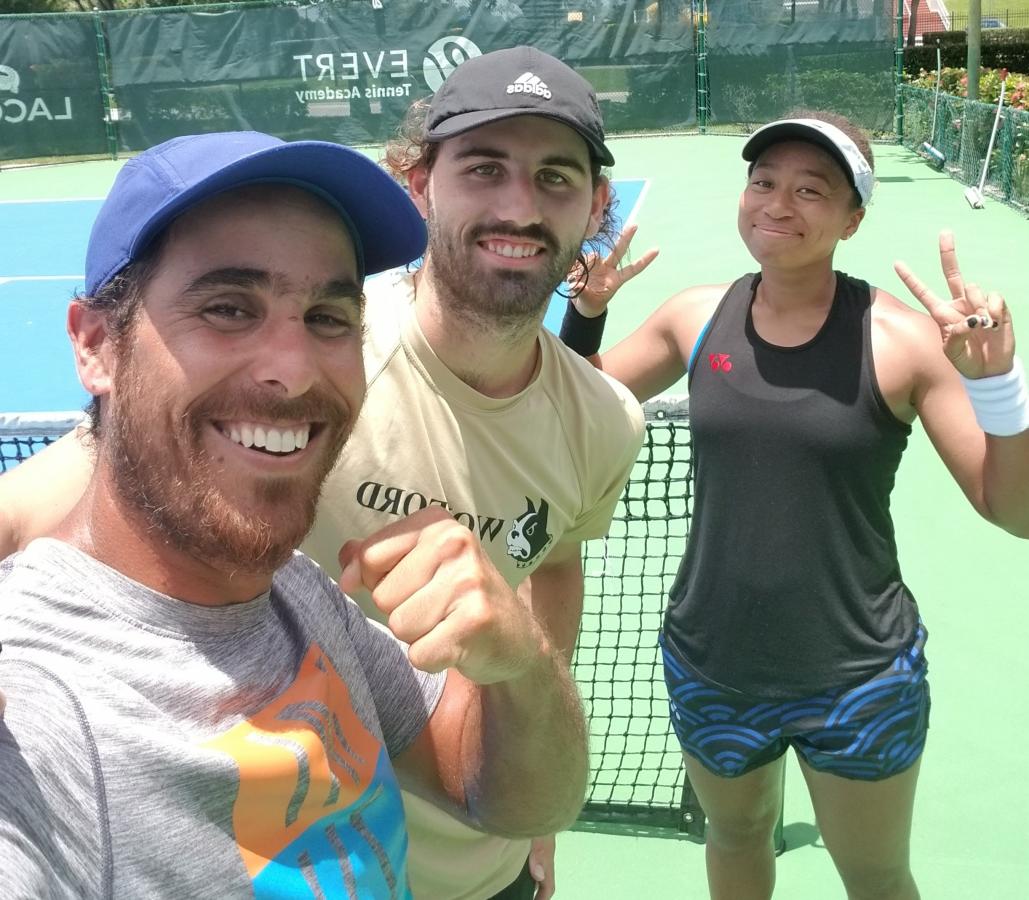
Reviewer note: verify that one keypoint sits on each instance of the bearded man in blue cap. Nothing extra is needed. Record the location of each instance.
(193, 708)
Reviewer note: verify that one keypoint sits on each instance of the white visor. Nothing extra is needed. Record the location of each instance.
(829, 137)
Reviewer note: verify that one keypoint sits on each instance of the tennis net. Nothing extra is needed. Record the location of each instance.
(22, 434)
(637, 774)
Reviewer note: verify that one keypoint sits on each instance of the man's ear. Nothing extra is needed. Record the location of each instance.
(94, 359)
(601, 198)
(418, 188)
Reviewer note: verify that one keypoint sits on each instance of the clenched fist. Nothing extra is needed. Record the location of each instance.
(444, 598)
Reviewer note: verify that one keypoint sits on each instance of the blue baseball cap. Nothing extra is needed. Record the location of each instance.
(159, 185)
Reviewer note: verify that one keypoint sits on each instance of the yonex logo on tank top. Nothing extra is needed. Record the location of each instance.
(529, 84)
(720, 362)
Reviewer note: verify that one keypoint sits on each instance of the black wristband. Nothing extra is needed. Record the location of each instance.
(581, 333)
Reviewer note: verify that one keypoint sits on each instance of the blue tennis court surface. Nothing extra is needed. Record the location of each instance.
(629, 194)
(42, 248)
(40, 374)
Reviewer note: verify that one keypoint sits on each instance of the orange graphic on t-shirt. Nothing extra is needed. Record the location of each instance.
(304, 755)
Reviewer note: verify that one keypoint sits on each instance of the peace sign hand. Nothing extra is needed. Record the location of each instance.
(975, 328)
(594, 287)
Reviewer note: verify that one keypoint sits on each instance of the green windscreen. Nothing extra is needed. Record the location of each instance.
(50, 99)
(767, 57)
(347, 70)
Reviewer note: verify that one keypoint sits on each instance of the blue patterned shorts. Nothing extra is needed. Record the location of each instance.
(869, 732)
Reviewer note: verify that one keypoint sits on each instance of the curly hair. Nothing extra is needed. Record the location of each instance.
(409, 149)
(119, 301)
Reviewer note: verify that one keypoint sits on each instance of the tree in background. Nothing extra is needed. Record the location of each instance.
(913, 24)
(33, 6)
(49, 6)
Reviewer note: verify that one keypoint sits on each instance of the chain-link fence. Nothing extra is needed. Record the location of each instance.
(962, 135)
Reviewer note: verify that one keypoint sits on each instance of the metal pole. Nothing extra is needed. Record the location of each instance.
(898, 73)
(105, 85)
(975, 41)
(1008, 154)
(703, 94)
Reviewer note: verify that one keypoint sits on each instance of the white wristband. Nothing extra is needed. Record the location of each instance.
(1000, 402)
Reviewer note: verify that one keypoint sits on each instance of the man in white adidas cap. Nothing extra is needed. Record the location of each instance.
(471, 405)
(476, 406)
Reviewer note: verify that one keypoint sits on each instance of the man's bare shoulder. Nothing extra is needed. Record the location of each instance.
(37, 494)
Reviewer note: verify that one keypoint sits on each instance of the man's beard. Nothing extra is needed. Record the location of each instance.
(492, 297)
(162, 470)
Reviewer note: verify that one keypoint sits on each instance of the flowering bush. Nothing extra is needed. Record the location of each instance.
(955, 81)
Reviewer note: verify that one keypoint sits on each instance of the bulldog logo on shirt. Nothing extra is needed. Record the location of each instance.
(528, 536)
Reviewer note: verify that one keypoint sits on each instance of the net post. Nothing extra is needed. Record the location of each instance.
(103, 68)
(692, 819)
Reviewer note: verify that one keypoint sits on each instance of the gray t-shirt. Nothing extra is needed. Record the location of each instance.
(155, 748)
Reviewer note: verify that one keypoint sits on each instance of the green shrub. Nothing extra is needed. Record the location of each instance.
(1001, 48)
(955, 81)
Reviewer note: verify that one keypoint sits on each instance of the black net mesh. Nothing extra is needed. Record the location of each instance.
(637, 774)
(16, 449)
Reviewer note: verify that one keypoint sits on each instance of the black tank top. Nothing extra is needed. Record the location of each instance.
(790, 584)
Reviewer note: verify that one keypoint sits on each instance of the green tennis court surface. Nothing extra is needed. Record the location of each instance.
(970, 579)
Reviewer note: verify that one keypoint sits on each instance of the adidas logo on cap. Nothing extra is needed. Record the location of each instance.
(529, 84)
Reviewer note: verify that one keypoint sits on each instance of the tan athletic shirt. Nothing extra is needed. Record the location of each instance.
(525, 473)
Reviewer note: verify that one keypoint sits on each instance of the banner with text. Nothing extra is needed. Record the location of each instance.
(348, 71)
(50, 100)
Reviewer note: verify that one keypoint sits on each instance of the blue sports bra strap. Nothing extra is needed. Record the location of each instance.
(696, 346)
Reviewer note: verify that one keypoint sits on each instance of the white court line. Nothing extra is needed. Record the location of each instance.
(631, 218)
(4, 279)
